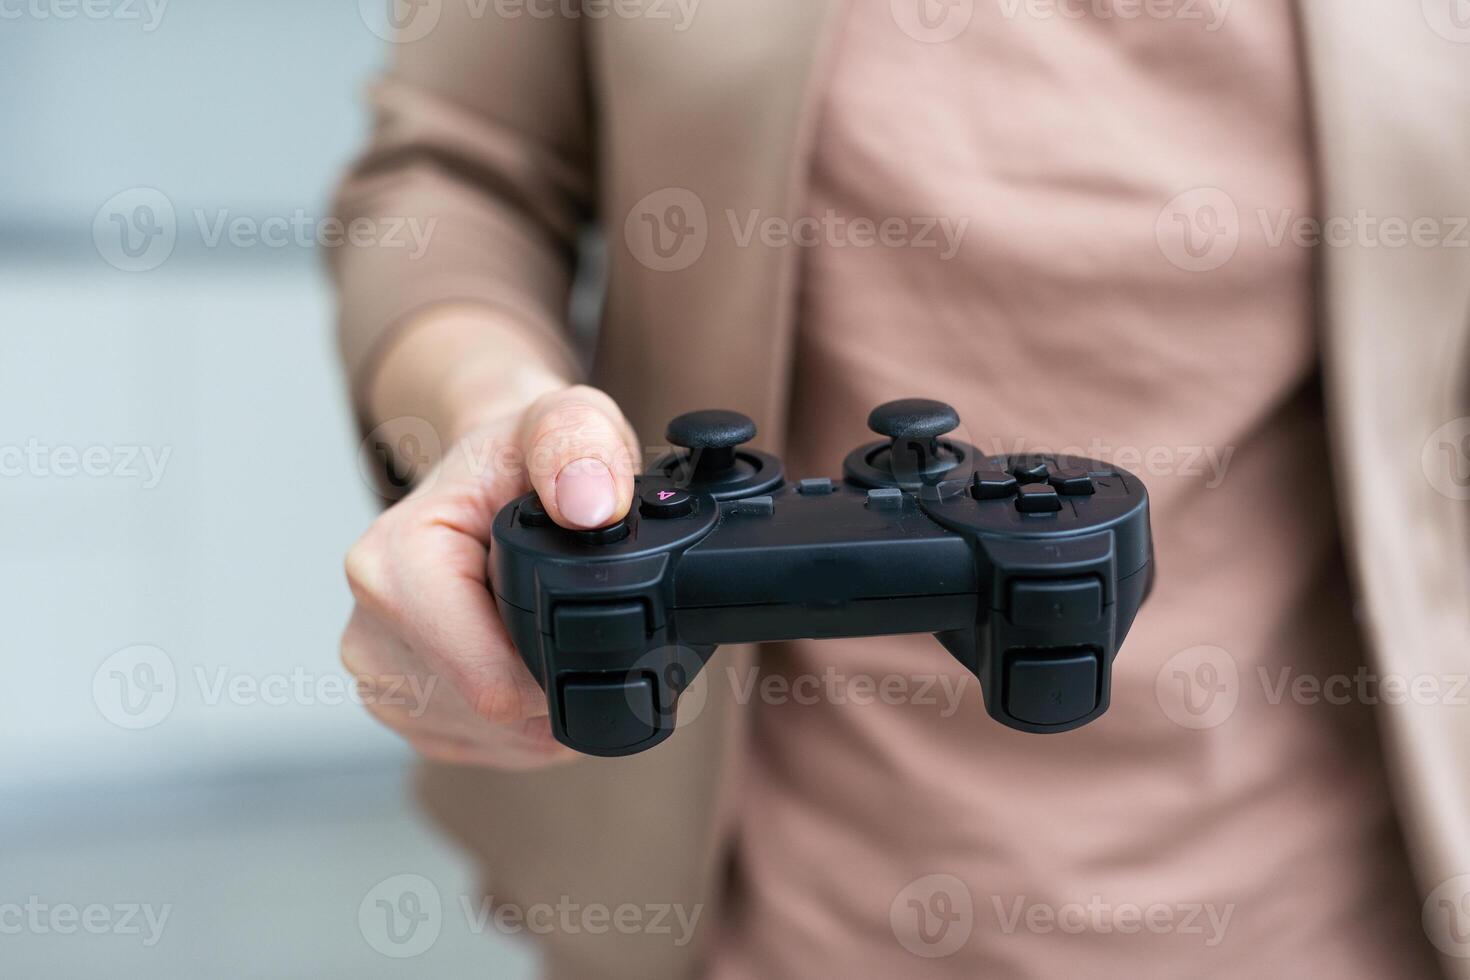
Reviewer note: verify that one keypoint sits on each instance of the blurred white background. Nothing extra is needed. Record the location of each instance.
(178, 472)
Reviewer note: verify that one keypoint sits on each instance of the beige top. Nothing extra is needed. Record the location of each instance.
(1209, 825)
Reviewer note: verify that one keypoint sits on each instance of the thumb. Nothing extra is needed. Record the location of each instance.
(581, 456)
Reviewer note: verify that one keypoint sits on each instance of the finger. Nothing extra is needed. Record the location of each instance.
(426, 585)
(580, 456)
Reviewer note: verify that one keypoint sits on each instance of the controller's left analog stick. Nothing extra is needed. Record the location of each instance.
(711, 437)
(712, 460)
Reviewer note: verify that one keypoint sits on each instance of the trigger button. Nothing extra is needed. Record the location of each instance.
(609, 715)
(586, 628)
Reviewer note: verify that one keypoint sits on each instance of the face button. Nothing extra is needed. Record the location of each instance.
(665, 502)
(1038, 498)
(815, 488)
(1030, 471)
(1073, 481)
(604, 535)
(532, 514)
(994, 485)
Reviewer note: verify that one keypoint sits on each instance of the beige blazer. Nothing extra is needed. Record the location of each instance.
(514, 130)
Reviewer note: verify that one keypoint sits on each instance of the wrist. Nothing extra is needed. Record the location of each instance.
(464, 369)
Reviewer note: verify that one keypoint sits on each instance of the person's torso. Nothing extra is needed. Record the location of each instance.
(1063, 225)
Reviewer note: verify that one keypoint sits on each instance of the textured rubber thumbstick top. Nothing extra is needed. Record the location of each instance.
(913, 418)
(710, 429)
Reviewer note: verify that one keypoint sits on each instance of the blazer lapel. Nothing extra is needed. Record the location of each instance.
(1391, 86)
(699, 313)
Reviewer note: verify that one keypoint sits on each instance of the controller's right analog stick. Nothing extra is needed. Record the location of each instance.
(916, 454)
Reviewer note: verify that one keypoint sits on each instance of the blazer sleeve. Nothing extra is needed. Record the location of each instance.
(481, 136)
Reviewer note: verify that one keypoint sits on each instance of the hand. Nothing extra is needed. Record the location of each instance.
(433, 661)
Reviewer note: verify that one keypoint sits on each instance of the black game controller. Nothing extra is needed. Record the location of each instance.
(1029, 569)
